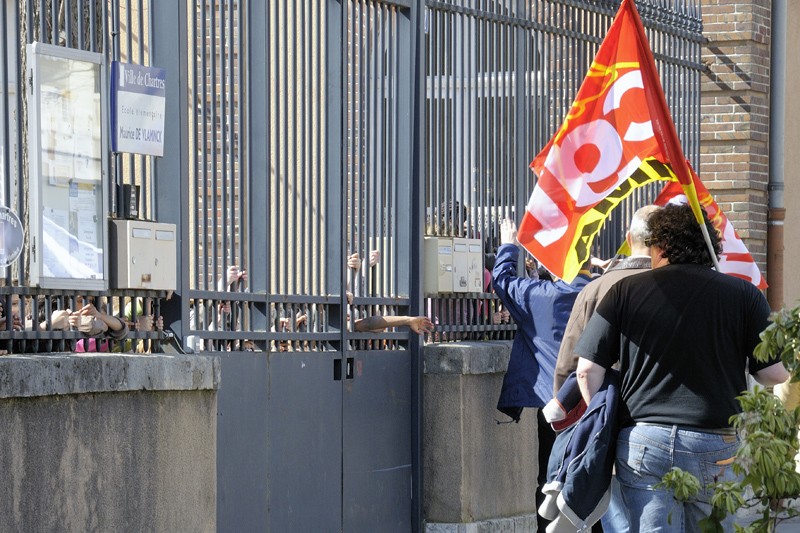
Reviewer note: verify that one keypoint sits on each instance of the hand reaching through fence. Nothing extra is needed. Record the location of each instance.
(418, 324)
(234, 275)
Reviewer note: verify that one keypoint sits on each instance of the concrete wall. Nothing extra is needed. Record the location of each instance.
(108, 443)
(475, 471)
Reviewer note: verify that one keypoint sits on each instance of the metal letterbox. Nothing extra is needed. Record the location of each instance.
(145, 255)
(460, 265)
(438, 265)
(475, 265)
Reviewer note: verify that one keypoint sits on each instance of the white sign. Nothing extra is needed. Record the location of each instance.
(138, 102)
(10, 236)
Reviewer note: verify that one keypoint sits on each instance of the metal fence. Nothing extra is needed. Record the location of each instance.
(302, 124)
(120, 31)
(500, 77)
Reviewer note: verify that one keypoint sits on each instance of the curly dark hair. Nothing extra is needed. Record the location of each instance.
(674, 229)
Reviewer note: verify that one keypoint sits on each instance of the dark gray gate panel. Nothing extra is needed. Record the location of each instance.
(242, 433)
(377, 443)
(305, 443)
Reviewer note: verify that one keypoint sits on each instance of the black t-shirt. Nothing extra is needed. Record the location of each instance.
(684, 335)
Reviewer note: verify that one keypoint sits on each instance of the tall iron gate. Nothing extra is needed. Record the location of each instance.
(313, 145)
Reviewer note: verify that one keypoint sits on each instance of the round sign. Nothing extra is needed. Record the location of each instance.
(10, 236)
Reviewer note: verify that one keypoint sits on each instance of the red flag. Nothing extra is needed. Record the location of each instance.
(619, 118)
(735, 259)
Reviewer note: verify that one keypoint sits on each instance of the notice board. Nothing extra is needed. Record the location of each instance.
(68, 156)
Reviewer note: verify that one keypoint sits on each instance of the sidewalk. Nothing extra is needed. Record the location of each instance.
(786, 526)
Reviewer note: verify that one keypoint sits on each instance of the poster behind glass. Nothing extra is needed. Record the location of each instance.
(70, 196)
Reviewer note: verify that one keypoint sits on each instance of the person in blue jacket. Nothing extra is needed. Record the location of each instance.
(540, 308)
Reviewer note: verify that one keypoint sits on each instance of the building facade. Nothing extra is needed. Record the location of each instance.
(748, 130)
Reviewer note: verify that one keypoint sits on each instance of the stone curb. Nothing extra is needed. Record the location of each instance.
(459, 358)
(54, 374)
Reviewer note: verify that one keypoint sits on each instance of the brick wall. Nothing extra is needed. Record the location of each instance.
(735, 115)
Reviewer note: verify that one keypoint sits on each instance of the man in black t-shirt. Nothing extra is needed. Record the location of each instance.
(684, 335)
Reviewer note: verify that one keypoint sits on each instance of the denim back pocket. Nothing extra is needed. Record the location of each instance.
(720, 469)
(629, 461)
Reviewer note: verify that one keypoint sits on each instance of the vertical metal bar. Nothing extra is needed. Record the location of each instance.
(283, 149)
(222, 175)
(298, 151)
(389, 238)
(295, 171)
(194, 101)
(447, 152)
(349, 128)
(394, 163)
(150, 35)
(304, 163)
(114, 52)
(81, 44)
(469, 140)
(21, 206)
(522, 126)
(254, 71)
(494, 110)
(230, 47)
(481, 131)
(213, 172)
(418, 172)
(93, 28)
(4, 117)
(363, 134)
(369, 178)
(318, 148)
(204, 102)
(54, 24)
(170, 52)
(244, 168)
(357, 174)
(144, 199)
(129, 58)
(67, 6)
(434, 91)
(42, 23)
(437, 131)
(504, 86)
(335, 201)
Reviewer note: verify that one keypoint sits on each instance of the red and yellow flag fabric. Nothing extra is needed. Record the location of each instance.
(619, 120)
(734, 259)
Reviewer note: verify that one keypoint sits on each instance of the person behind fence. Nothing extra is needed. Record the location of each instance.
(234, 279)
(145, 321)
(10, 321)
(684, 334)
(98, 326)
(540, 308)
(356, 278)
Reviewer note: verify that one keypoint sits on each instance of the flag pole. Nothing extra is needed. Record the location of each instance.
(710, 246)
(664, 128)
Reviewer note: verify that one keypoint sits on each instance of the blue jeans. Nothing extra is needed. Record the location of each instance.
(645, 453)
(616, 518)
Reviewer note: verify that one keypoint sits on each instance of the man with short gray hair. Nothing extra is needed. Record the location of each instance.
(589, 297)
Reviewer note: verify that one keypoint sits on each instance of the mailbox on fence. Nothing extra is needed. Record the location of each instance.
(453, 264)
(144, 253)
